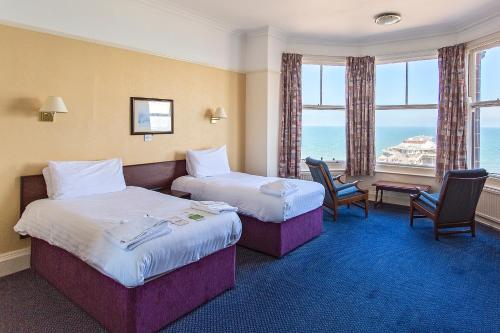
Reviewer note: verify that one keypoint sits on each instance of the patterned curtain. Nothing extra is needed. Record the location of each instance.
(291, 115)
(452, 114)
(360, 116)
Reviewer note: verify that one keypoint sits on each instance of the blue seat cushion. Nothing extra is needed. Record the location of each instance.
(348, 192)
(428, 204)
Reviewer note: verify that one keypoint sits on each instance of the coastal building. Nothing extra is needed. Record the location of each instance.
(418, 150)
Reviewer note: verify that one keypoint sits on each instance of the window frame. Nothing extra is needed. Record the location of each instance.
(406, 106)
(475, 104)
(325, 61)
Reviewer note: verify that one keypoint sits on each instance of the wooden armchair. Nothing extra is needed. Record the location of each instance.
(455, 205)
(337, 193)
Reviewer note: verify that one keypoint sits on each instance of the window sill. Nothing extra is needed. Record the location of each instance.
(406, 170)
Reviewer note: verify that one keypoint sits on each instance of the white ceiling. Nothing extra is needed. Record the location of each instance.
(344, 20)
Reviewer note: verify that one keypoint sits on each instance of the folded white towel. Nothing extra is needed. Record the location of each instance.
(213, 207)
(279, 188)
(132, 233)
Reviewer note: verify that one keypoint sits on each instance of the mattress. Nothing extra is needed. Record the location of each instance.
(242, 190)
(77, 226)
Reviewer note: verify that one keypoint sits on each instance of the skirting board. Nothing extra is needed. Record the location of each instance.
(15, 261)
(489, 221)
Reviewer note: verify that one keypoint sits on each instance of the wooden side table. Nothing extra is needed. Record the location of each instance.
(174, 193)
(383, 185)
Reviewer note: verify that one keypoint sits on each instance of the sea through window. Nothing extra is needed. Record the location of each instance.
(406, 95)
(485, 91)
(323, 114)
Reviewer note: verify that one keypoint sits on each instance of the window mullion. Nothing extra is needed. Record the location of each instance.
(321, 85)
(406, 85)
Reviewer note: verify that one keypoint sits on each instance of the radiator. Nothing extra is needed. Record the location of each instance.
(488, 209)
(306, 175)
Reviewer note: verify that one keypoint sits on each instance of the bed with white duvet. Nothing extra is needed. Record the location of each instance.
(242, 190)
(78, 226)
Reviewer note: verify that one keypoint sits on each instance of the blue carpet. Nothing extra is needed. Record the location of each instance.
(374, 275)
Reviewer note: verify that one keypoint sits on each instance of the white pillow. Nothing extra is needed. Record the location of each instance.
(73, 179)
(48, 182)
(189, 154)
(206, 163)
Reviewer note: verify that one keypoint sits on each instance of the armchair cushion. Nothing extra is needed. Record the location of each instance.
(348, 192)
(428, 200)
(342, 187)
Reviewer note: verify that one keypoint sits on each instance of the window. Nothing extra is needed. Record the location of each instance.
(406, 113)
(485, 90)
(323, 117)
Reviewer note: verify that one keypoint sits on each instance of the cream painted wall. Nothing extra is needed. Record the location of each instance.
(96, 83)
(256, 123)
(263, 60)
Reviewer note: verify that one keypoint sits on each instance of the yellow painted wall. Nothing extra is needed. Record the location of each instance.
(96, 83)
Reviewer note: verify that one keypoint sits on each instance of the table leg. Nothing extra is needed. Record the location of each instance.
(381, 197)
(376, 198)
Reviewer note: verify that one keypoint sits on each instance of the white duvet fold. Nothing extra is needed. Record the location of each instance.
(279, 188)
(213, 207)
(128, 234)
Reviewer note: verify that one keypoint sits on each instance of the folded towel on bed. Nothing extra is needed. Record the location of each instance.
(279, 188)
(132, 233)
(214, 207)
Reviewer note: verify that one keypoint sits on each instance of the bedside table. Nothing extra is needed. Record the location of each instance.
(178, 194)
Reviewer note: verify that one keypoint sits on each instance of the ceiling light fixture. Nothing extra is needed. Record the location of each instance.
(387, 18)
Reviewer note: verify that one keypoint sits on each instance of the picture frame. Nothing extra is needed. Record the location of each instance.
(151, 116)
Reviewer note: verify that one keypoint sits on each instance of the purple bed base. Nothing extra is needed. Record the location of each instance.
(145, 308)
(277, 239)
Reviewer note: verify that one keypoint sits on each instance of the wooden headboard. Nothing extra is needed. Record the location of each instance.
(151, 176)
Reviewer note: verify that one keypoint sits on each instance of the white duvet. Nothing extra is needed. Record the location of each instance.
(242, 190)
(77, 225)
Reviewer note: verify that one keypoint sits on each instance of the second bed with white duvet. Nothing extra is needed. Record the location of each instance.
(242, 190)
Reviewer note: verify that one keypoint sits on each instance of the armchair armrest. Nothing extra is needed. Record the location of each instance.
(338, 178)
(348, 185)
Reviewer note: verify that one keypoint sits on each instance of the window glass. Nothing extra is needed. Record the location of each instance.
(323, 134)
(423, 82)
(333, 85)
(489, 139)
(489, 74)
(406, 137)
(310, 84)
(390, 84)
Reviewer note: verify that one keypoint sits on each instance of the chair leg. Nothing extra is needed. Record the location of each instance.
(436, 231)
(473, 228)
(411, 214)
(366, 208)
(335, 214)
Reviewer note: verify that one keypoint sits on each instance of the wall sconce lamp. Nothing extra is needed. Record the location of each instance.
(219, 114)
(52, 105)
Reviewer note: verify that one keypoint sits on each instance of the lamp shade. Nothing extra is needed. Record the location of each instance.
(54, 104)
(220, 113)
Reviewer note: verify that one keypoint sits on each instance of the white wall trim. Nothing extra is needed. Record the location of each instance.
(119, 46)
(140, 25)
(173, 8)
(14, 261)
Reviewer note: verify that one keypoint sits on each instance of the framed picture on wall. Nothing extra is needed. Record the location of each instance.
(151, 116)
